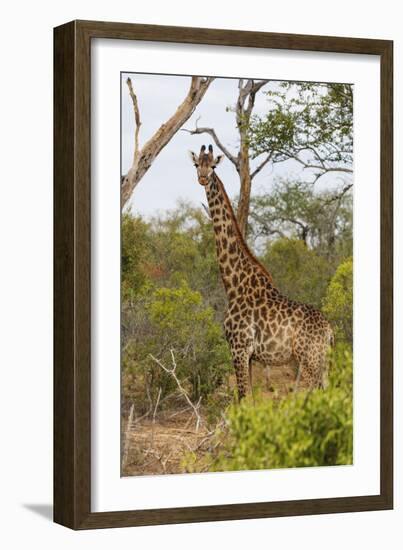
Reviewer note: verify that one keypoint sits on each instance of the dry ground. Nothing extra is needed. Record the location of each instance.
(158, 446)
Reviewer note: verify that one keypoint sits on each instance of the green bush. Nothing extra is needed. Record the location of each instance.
(175, 319)
(338, 302)
(135, 246)
(306, 429)
(172, 298)
(167, 250)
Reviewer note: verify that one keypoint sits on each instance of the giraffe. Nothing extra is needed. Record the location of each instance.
(260, 323)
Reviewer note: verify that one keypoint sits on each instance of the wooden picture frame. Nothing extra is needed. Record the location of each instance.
(72, 269)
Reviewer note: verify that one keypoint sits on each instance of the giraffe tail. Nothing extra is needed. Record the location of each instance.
(332, 341)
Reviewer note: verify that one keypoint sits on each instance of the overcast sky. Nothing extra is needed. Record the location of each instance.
(172, 175)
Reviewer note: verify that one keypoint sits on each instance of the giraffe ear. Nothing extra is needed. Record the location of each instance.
(218, 160)
(194, 158)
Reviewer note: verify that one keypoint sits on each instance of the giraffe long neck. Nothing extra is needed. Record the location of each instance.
(234, 257)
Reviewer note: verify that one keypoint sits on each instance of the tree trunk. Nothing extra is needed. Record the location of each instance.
(245, 189)
(144, 157)
(243, 110)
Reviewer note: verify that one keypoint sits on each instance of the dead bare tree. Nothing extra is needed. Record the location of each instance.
(172, 372)
(144, 156)
(241, 160)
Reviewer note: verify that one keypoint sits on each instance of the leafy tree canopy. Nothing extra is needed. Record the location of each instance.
(293, 209)
(310, 123)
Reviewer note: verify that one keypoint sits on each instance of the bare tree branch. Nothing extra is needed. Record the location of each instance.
(207, 211)
(217, 141)
(147, 154)
(136, 119)
(172, 372)
(259, 84)
(322, 168)
(261, 165)
(247, 91)
(339, 196)
(255, 87)
(154, 416)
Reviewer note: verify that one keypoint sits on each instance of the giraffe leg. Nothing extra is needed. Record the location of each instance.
(324, 383)
(241, 365)
(250, 379)
(324, 368)
(298, 377)
(310, 373)
(309, 361)
(322, 371)
(305, 375)
(318, 368)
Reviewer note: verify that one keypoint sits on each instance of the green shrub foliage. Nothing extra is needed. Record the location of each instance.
(338, 302)
(173, 319)
(135, 250)
(306, 429)
(300, 272)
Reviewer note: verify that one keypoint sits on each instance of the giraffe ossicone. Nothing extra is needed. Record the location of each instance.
(260, 323)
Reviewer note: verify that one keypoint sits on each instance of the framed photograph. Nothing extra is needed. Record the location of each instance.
(222, 275)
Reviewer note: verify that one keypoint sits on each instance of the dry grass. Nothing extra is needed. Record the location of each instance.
(158, 446)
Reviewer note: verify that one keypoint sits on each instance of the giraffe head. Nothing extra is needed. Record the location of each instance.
(205, 163)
